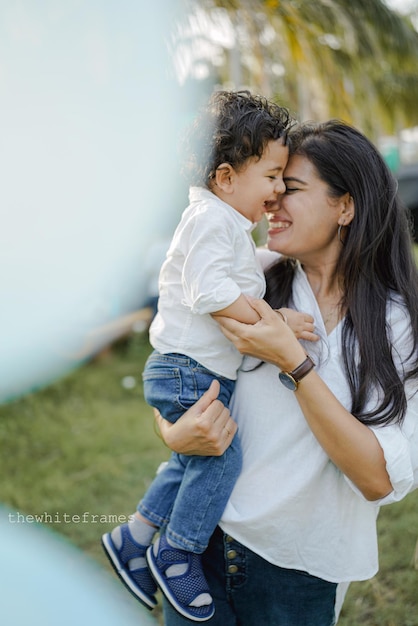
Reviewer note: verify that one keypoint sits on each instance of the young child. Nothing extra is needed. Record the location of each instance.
(236, 169)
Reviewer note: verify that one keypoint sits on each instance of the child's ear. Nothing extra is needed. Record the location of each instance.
(224, 177)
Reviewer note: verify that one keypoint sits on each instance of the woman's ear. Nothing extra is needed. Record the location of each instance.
(347, 210)
(224, 177)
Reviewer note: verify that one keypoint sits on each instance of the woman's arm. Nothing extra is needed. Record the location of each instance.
(351, 445)
(206, 429)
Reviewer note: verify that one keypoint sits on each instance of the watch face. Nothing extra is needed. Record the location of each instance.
(288, 381)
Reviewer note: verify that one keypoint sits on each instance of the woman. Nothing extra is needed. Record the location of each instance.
(325, 449)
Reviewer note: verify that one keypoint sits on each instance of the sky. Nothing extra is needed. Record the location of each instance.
(402, 5)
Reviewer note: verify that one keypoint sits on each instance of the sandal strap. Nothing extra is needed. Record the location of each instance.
(173, 556)
(130, 549)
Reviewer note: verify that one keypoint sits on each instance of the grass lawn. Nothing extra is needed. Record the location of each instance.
(84, 450)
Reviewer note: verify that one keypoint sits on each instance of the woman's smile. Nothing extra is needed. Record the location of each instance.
(276, 224)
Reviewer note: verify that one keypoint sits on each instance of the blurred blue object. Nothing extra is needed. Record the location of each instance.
(45, 581)
(90, 118)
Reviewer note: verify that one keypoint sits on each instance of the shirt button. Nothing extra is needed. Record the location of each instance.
(228, 538)
(232, 569)
(231, 554)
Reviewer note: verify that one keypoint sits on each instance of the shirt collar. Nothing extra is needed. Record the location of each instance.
(197, 194)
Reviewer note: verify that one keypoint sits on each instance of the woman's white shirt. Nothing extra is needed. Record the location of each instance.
(291, 504)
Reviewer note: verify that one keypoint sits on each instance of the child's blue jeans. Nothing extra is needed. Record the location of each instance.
(189, 495)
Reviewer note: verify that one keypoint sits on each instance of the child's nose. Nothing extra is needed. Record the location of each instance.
(279, 187)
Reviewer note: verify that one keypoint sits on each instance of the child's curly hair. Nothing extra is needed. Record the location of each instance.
(233, 127)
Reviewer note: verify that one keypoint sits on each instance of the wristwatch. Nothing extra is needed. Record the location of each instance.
(292, 379)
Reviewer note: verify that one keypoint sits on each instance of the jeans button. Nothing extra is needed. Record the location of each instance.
(231, 554)
(232, 569)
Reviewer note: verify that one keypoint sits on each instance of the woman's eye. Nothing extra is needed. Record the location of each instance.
(290, 189)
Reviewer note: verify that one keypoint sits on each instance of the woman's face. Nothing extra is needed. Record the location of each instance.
(304, 222)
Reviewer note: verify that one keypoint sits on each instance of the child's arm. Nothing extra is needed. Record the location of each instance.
(239, 310)
(302, 324)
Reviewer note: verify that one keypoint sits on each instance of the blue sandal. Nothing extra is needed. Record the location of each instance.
(138, 581)
(183, 589)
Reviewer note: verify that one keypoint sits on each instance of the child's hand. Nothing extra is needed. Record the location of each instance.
(302, 324)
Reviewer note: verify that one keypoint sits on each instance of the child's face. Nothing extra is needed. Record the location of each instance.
(260, 182)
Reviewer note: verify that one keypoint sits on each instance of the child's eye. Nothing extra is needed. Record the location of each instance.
(272, 177)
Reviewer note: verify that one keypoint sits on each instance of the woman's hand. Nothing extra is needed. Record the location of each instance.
(206, 429)
(270, 339)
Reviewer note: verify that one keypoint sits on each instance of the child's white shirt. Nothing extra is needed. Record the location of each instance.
(210, 262)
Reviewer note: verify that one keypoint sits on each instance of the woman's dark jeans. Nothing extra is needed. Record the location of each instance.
(249, 591)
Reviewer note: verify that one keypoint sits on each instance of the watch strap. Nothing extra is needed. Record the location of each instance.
(301, 370)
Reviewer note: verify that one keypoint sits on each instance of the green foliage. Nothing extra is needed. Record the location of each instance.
(86, 445)
(337, 58)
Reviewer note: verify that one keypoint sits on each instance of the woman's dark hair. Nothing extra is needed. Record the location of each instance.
(231, 128)
(376, 261)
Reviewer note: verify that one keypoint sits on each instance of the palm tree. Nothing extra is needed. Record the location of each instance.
(356, 60)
